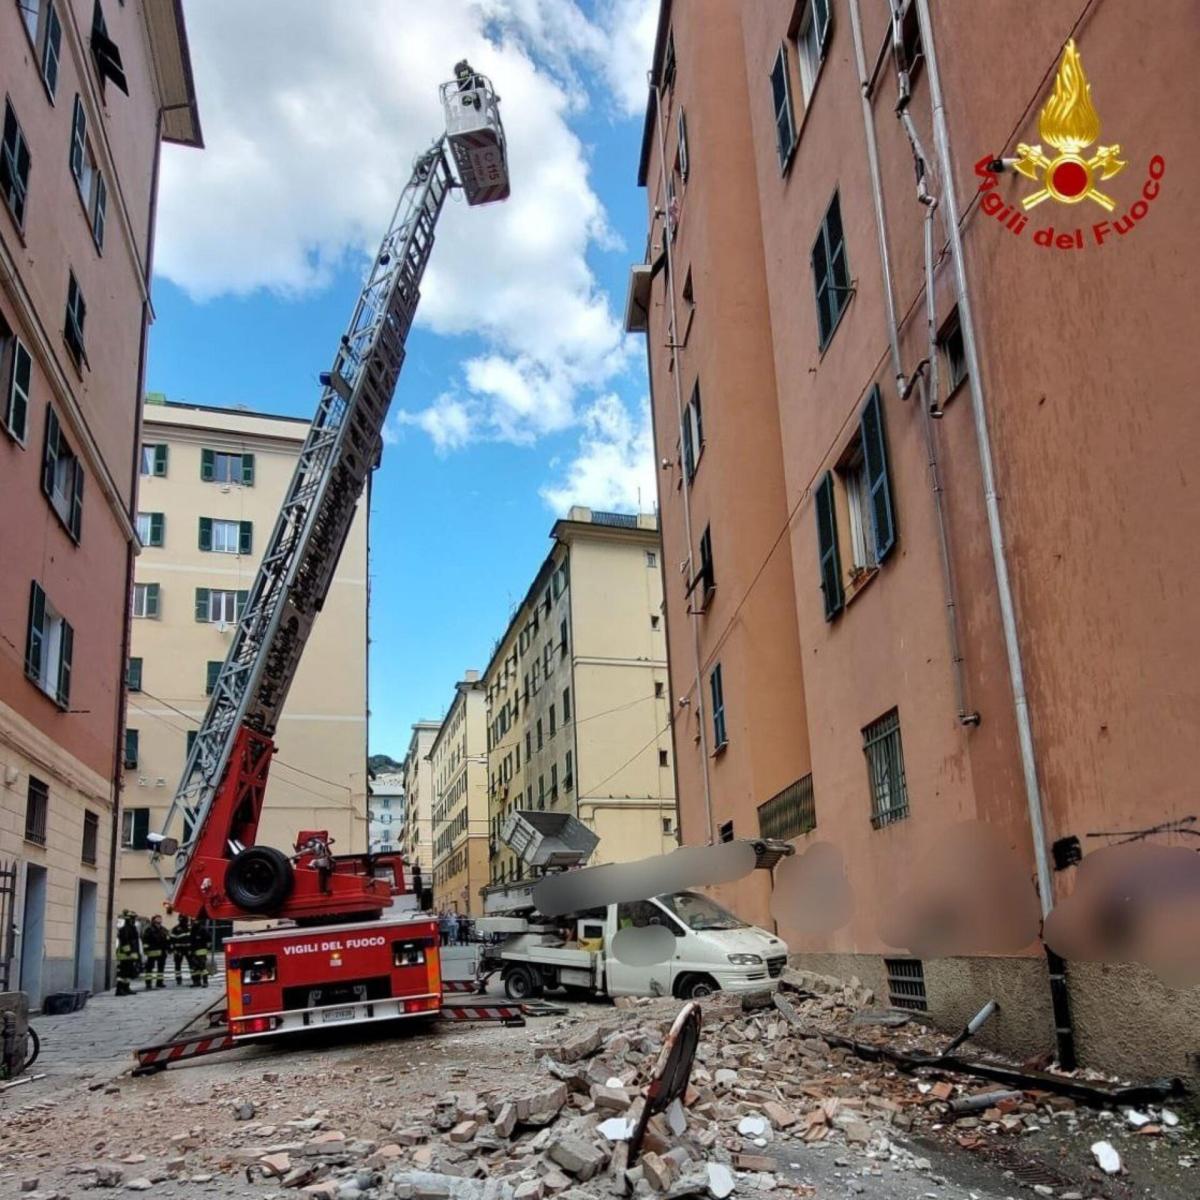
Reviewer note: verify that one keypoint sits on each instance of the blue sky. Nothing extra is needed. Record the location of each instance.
(520, 395)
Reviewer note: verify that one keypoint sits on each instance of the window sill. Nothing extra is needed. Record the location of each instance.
(38, 843)
(855, 586)
(717, 751)
(954, 391)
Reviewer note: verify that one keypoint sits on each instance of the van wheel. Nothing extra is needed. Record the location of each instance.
(696, 987)
(519, 984)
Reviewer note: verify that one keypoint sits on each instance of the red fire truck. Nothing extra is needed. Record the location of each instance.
(332, 958)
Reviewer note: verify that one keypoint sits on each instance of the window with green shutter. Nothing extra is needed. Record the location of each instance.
(49, 647)
(135, 825)
(160, 459)
(35, 638)
(245, 537)
(62, 477)
(827, 547)
(206, 533)
(248, 470)
(131, 748)
(213, 670)
(133, 675)
(16, 371)
(208, 465)
(221, 466)
(242, 597)
(202, 604)
(883, 517)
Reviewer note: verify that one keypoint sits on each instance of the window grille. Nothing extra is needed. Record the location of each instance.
(885, 766)
(791, 813)
(906, 983)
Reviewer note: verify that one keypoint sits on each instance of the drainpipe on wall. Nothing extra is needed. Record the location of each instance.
(673, 345)
(1060, 999)
(905, 383)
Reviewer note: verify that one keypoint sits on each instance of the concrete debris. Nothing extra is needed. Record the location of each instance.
(1108, 1160)
(576, 1157)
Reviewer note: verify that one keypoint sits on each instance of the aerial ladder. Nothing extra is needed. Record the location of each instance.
(333, 958)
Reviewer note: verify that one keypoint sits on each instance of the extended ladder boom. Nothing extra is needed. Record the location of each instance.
(230, 755)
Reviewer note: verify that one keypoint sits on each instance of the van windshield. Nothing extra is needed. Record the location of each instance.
(699, 912)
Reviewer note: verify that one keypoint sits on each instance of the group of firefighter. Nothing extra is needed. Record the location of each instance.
(145, 947)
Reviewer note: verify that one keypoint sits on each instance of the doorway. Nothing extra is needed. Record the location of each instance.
(33, 934)
(85, 935)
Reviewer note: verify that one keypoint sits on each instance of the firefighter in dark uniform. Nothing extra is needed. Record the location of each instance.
(198, 960)
(155, 941)
(181, 947)
(129, 952)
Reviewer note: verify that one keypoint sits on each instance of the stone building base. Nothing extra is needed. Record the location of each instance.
(1127, 1022)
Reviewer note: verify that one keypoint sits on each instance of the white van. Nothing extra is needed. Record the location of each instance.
(714, 951)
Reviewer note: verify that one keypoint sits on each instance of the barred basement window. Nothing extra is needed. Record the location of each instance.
(791, 813)
(885, 768)
(906, 983)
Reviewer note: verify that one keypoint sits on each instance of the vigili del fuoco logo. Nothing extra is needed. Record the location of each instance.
(1069, 125)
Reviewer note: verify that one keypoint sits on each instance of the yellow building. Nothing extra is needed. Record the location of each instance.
(458, 758)
(417, 841)
(578, 705)
(212, 481)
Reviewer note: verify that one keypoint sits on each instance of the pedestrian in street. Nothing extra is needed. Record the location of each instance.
(446, 925)
(463, 923)
(129, 952)
(181, 947)
(155, 941)
(198, 959)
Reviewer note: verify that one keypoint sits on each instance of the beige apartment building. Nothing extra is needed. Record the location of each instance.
(416, 841)
(458, 762)
(578, 702)
(91, 89)
(212, 481)
(386, 811)
(967, 463)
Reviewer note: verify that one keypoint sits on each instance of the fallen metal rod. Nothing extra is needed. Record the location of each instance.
(17, 1082)
(973, 1026)
(1084, 1091)
(970, 1104)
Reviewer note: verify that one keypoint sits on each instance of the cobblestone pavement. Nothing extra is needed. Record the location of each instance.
(98, 1042)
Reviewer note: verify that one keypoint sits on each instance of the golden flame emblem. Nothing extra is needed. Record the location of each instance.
(1069, 122)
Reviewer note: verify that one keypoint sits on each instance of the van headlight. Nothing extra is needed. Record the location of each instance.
(745, 960)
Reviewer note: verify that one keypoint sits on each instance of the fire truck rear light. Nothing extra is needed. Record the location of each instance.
(253, 1025)
(426, 1005)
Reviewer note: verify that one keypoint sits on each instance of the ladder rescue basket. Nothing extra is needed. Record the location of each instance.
(476, 137)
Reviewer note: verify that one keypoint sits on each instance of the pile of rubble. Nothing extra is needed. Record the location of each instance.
(767, 1088)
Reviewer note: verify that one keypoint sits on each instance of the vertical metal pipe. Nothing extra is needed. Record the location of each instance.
(1008, 619)
(949, 592)
(668, 233)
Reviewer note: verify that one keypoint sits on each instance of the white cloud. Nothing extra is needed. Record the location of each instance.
(625, 57)
(614, 468)
(449, 421)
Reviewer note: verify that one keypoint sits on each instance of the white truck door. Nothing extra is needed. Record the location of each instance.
(624, 980)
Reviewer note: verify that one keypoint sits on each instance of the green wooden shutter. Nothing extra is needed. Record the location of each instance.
(152, 599)
(133, 675)
(208, 467)
(202, 604)
(50, 453)
(191, 741)
(240, 608)
(214, 669)
(141, 823)
(52, 49)
(827, 548)
(160, 459)
(18, 391)
(245, 537)
(65, 654)
(157, 529)
(875, 457)
(35, 637)
(77, 503)
(248, 470)
(78, 139)
(100, 212)
(131, 755)
(206, 533)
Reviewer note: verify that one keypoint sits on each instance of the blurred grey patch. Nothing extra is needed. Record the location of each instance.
(811, 893)
(643, 945)
(690, 866)
(1137, 902)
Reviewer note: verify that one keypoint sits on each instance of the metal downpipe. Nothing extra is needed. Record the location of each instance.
(1063, 1031)
(668, 234)
(903, 383)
